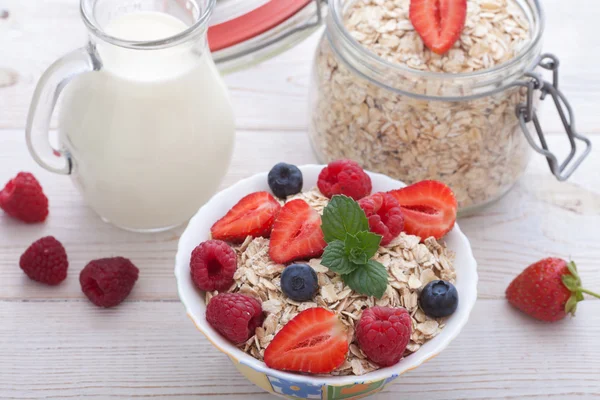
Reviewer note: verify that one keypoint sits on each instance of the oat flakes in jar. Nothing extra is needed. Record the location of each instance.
(466, 117)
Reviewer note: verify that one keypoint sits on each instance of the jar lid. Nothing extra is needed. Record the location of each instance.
(243, 33)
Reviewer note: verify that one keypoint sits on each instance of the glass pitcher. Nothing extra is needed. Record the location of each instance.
(146, 126)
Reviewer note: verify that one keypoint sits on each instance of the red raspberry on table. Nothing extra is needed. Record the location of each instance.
(213, 265)
(108, 281)
(384, 214)
(24, 199)
(235, 316)
(344, 177)
(45, 261)
(383, 334)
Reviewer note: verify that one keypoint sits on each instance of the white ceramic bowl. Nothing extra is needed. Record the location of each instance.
(304, 386)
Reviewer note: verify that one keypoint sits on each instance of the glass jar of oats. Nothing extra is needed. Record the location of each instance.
(380, 97)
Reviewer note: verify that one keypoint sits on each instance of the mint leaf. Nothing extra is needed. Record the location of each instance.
(351, 245)
(369, 242)
(335, 258)
(361, 247)
(350, 242)
(370, 279)
(342, 215)
(358, 256)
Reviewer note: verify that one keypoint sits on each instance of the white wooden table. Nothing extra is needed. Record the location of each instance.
(55, 345)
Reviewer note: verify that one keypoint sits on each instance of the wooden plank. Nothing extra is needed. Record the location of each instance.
(273, 95)
(540, 217)
(63, 350)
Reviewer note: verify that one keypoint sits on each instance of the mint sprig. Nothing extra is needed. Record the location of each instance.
(366, 242)
(341, 216)
(370, 279)
(351, 246)
(335, 258)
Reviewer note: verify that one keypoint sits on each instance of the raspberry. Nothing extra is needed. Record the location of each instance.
(344, 177)
(108, 281)
(45, 261)
(384, 214)
(235, 316)
(212, 265)
(383, 334)
(24, 199)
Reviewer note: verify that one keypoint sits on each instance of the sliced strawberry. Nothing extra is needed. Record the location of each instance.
(429, 208)
(296, 233)
(438, 22)
(251, 216)
(314, 341)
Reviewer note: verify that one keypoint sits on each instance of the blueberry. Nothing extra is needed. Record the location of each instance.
(299, 282)
(439, 299)
(285, 180)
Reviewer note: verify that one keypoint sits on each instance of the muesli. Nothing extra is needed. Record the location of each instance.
(410, 265)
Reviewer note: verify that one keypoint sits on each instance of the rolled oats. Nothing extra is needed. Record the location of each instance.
(405, 271)
(475, 146)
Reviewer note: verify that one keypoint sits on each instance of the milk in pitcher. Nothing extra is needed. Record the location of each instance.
(151, 134)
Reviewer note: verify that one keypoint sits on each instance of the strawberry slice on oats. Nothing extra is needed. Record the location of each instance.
(314, 341)
(297, 233)
(438, 22)
(429, 208)
(252, 216)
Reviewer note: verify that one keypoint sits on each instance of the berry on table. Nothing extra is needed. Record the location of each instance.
(299, 282)
(383, 333)
(212, 265)
(252, 216)
(296, 233)
(315, 342)
(429, 208)
(45, 261)
(285, 180)
(439, 299)
(384, 215)
(108, 281)
(23, 198)
(235, 316)
(344, 177)
(547, 290)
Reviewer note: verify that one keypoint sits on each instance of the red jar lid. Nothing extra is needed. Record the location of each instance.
(254, 23)
(259, 21)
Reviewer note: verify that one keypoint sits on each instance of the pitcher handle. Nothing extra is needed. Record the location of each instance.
(46, 94)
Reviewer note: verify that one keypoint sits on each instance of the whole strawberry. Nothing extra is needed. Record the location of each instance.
(547, 290)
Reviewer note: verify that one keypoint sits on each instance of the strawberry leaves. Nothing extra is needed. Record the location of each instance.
(351, 246)
(572, 282)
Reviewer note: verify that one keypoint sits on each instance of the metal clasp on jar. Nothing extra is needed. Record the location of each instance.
(527, 113)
